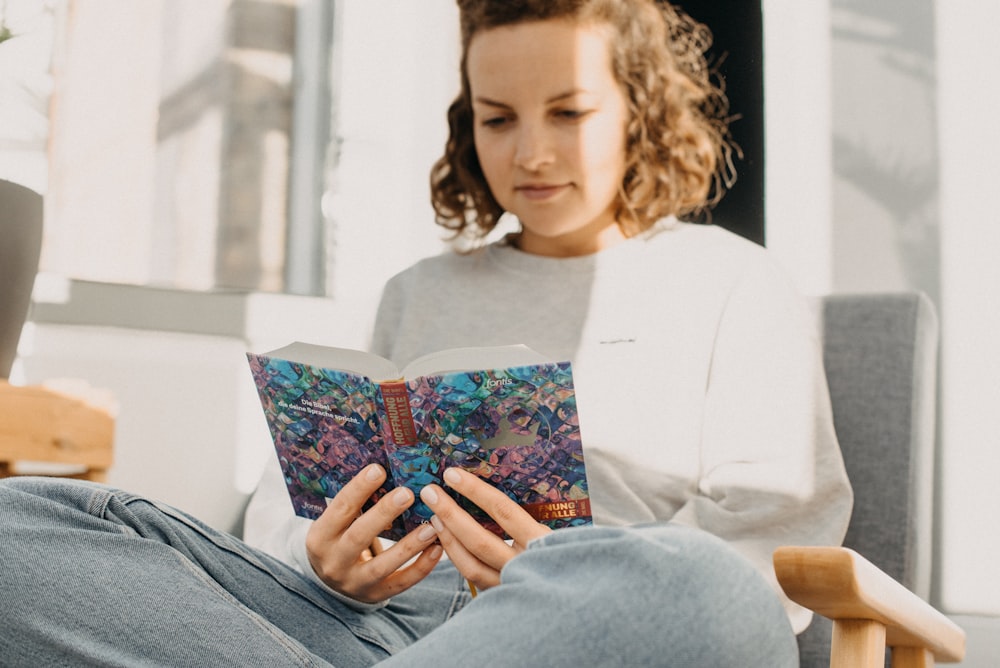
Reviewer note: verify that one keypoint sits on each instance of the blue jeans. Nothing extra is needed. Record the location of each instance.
(96, 576)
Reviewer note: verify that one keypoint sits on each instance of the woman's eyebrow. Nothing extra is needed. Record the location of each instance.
(565, 96)
(555, 98)
(490, 103)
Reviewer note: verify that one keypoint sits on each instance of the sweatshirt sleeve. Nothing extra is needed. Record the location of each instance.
(771, 467)
(270, 524)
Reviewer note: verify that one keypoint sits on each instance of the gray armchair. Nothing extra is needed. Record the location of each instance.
(880, 353)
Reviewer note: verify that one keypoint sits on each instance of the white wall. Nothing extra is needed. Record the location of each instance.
(968, 50)
(797, 128)
(885, 127)
(25, 84)
(397, 73)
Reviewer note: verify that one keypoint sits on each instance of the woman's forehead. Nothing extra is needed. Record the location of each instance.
(547, 58)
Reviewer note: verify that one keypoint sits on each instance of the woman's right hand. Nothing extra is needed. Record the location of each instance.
(338, 542)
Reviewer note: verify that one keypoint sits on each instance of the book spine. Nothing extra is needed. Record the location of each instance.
(559, 510)
(398, 417)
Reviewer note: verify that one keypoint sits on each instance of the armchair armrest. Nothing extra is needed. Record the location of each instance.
(869, 609)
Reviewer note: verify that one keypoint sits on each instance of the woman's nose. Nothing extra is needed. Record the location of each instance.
(534, 147)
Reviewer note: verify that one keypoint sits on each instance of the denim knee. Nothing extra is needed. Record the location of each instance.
(657, 590)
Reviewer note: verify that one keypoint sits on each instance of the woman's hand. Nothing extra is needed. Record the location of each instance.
(478, 553)
(338, 542)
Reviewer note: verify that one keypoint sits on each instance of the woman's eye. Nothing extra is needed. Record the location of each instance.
(571, 114)
(494, 122)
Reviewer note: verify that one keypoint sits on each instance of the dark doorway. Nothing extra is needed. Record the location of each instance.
(738, 55)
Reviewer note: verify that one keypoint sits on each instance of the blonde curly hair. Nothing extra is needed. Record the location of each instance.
(678, 147)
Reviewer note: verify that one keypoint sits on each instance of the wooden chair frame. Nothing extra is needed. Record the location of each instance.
(40, 425)
(870, 610)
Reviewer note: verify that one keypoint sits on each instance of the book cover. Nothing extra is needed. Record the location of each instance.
(515, 426)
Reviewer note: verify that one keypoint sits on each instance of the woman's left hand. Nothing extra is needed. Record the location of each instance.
(476, 552)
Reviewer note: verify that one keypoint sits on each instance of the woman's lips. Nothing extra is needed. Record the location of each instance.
(541, 191)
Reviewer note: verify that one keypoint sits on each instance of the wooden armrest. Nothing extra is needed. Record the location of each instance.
(40, 425)
(838, 583)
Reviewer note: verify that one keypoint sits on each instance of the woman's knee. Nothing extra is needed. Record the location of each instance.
(687, 592)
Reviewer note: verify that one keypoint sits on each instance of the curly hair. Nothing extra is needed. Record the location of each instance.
(678, 147)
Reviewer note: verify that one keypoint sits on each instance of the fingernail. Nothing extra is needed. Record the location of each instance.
(428, 495)
(434, 552)
(452, 477)
(437, 523)
(427, 532)
(372, 473)
(400, 497)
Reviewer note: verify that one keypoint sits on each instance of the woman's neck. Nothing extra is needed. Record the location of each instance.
(570, 245)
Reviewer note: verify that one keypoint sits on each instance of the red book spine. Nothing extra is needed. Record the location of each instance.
(568, 509)
(396, 400)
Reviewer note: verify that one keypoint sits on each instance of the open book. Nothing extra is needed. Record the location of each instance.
(503, 413)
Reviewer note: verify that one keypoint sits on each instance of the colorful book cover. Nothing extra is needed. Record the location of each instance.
(516, 427)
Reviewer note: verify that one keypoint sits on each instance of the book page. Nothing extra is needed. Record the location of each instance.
(473, 359)
(328, 357)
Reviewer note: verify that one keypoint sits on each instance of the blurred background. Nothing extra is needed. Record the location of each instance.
(230, 175)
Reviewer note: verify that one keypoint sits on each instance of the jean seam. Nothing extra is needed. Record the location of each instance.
(293, 648)
(301, 586)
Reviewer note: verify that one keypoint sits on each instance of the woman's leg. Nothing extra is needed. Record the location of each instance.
(658, 595)
(93, 575)
(97, 576)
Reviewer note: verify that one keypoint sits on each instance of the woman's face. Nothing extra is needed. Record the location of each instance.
(549, 126)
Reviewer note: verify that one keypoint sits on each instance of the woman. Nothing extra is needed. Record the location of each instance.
(702, 402)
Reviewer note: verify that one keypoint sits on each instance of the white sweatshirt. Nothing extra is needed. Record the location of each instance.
(699, 377)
